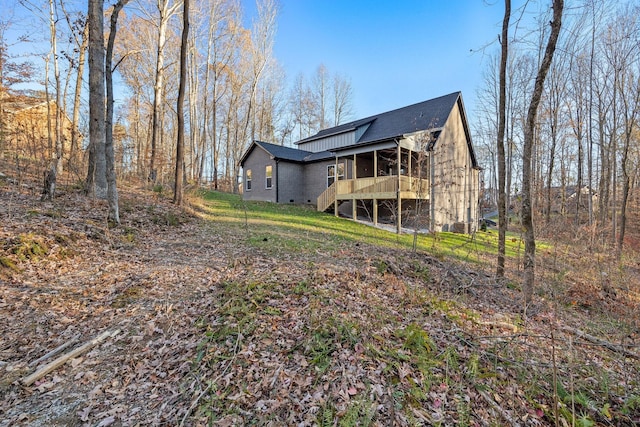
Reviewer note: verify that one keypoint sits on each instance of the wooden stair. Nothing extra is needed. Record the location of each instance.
(327, 198)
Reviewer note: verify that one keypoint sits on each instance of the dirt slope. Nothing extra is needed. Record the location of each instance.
(213, 330)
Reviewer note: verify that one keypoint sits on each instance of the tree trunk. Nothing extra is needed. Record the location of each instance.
(502, 199)
(97, 178)
(613, 164)
(112, 190)
(590, 108)
(194, 112)
(579, 184)
(527, 217)
(552, 156)
(53, 18)
(158, 87)
(76, 98)
(47, 98)
(177, 195)
(630, 111)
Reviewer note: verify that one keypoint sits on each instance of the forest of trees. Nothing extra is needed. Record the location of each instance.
(585, 148)
(586, 133)
(235, 89)
(226, 312)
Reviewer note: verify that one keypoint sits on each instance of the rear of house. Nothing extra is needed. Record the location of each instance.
(414, 166)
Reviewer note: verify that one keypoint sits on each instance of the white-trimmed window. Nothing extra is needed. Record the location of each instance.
(332, 175)
(268, 173)
(248, 180)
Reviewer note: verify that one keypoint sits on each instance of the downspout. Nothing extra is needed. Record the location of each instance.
(335, 182)
(277, 182)
(354, 176)
(398, 195)
(476, 189)
(432, 175)
(375, 176)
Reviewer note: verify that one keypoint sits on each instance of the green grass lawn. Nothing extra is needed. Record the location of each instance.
(301, 229)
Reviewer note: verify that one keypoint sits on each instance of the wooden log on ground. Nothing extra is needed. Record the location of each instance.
(599, 341)
(55, 351)
(68, 356)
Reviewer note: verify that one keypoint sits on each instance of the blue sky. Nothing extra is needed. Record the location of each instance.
(395, 53)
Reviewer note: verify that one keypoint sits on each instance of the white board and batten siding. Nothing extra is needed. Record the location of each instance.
(455, 182)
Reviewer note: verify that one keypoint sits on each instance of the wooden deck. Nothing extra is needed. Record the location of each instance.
(380, 188)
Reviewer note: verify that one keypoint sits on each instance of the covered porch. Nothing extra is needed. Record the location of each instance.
(383, 175)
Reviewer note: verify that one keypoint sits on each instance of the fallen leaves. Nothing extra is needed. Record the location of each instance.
(216, 331)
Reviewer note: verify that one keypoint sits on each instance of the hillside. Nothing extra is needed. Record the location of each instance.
(232, 314)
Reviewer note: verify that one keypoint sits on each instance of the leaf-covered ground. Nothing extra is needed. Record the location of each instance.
(233, 321)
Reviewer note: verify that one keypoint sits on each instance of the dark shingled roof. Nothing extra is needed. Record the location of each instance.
(431, 114)
(287, 153)
(284, 153)
(322, 155)
(427, 115)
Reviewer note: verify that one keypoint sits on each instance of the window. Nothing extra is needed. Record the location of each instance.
(268, 173)
(331, 173)
(248, 180)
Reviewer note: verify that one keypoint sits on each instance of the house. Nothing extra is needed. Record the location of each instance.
(25, 129)
(565, 199)
(410, 167)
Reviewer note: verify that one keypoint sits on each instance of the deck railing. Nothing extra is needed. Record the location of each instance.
(381, 186)
(326, 198)
(420, 186)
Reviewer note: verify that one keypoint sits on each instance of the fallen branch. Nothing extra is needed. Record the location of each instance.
(55, 351)
(611, 346)
(65, 357)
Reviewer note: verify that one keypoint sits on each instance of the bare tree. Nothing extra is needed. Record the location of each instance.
(96, 183)
(554, 95)
(420, 170)
(262, 40)
(219, 53)
(54, 115)
(592, 142)
(137, 38)
(527, 215)
(630, 97)
(81, 40)
(576, 105)
(112, 190)
(177, 195)
(166, 10)
(303, 107)
(53, 19)
(320, 84)
(502, 208)
(342, 99)
(628, 90)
